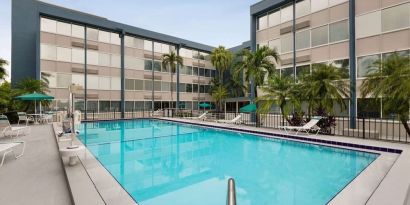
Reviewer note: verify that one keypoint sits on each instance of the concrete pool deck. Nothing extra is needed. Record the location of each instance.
(38, 176)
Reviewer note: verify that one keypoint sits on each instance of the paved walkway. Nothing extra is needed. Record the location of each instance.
(38, 176)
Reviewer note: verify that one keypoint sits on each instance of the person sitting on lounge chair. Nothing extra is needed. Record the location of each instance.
(236, 120)
(308, 127)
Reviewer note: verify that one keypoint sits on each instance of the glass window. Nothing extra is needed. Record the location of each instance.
(339, 31)
(166, 86)
(115, 106)
(148, 85)
(64, 28)
(63, 80)
(147, 45)
(185, 53)
(129, 41)
(104, 83)
(364, 28)
(148, 65)
(202, 72)
(195, 71)
(302, 70)
(129, 106)
(52, 81)
(275, 44)
(77, 31)
(343, 65)
(288, 72)
(139, 105)
(189, 70)
(303, 39)
(319, 36)
(92, 34)
(92, 82)
(64, 54)
(130, 62)
(115, 61)
(262, 22)
(77, 55)
(207, 73)
(274, 18)
(213, 73)
(92, 57)
(302, 8)
(317, 5)
(201, 88)
(104, 59)
(48, 52)
(48, 25)
(189, 88)
(157, 47)
(365, 65)
(395, 17)
(182, 87)
(129, 84)
(286, 14)
(92, 105)
(115, 38)
(286, 43)
(157, 66)
(195, 88)
(104, 36)
(104, 106)
(139, 85)
(368, 107)
(165, 48)
(115, 83)
(400, 53)
(157, 85)
(138, 43)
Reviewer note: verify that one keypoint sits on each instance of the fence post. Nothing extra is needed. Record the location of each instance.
(363, 128)
(93, 115)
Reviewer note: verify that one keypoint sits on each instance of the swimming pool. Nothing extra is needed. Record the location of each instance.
(160, 162)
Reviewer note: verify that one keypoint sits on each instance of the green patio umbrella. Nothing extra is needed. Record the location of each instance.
(205, 105)
(248, 108)
(34, 97)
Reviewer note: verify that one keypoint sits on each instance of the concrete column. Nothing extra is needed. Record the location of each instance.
(352, 63)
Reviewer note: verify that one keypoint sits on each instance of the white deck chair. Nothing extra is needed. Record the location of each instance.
(7, 147)
(201, 117)
(310, 126)
(236, 120)
(6, 128)
(156, 113)
(23, 117)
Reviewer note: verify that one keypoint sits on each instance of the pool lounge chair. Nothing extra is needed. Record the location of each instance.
(156, 113)
(236, 120)
(7, 147)
(201, 117)
(23, 117)
(308, 127)
(6, 128)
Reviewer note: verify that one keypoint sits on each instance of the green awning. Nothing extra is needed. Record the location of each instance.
(248, 108)
(34, 96)
(205, 105)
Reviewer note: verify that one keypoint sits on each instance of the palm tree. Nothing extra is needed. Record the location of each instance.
(219, 94)
(30, 85)
(170, 61)
(3, 72)
(236, 87)
(257, 65)
(221, 58)
(281, 91)
(390, 80)
(324, 87)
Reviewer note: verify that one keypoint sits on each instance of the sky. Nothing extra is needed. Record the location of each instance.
(211, 22)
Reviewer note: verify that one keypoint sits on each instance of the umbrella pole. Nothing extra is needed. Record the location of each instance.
(35, 106)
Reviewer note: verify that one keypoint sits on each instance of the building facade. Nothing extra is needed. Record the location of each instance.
(119, 66)
(350, 34)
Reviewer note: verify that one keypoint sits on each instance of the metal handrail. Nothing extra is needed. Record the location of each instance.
(231, 198)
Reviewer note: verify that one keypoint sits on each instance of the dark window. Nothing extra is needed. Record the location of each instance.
(189, 88)
(202, 72)
(194, 88)
(148, 65)
(368, 107)
(207, 73)
(157, 66)
(195, 71)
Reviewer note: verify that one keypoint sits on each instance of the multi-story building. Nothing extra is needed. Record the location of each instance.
(350, 34)
(119, 66)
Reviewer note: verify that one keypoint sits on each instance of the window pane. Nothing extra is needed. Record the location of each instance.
(302, 8)
(129, 41)
(368, 107)
(129, 106)
(148, 65)
(48, 52)
(115, 61)
(166, 86)
(262, 22)
(339, 31)
(188, 88)
(115, 83)
(343, 65)
(92, 82)
(364, 28)
(115, 38)
(52, 81)
(157, 66)
(148, 85)
(189, 70)
(104, 83)
(395, 17)
(182, 87)
(64, 28)
(157, 47)
(92, 58)
(317, 5)
(286, 43)
(104, 36)
(286, 14)
(92, 105)
(63, 80)
(274, 44)
(92, 34)
(77, 31)
(157, 85)
(129, 84)
(303, 40)
(365, 65)
(147, 45)
(195, 88)
(77, 55)
(287, 72)
(319, 36)
(104, 106)
(104, 59)
(48, 25)
(302, 70)
(274, 18)
(202, 72)
(207, 73)
(64, 54)
(139, 85)
(195, 71)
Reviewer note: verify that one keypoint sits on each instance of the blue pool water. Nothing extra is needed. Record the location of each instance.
(165, 163)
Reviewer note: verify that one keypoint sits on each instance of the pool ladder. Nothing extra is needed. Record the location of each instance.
(231, 198)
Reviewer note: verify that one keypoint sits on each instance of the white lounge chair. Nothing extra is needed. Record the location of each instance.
(23, 117)
(236, 120)
(6, 128)
(9, 147)
(156, 113)
(201, 117)
(308, 127)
